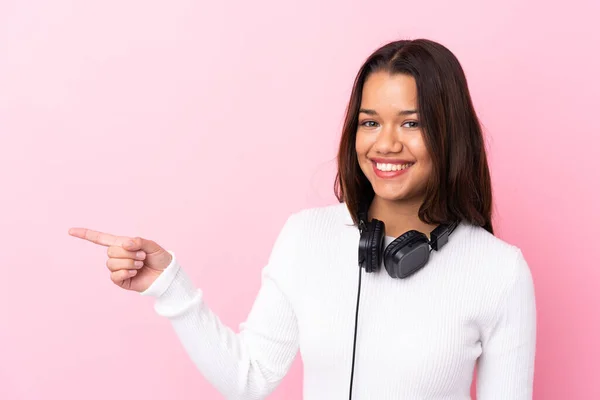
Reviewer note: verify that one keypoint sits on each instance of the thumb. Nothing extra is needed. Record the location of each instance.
(138, 243)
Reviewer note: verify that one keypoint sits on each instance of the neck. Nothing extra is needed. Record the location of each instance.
(399, 216)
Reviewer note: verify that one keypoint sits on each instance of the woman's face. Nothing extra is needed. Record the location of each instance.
(389, 141)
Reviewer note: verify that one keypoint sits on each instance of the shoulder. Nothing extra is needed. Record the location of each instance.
(320, 218)
(305, 233)
(494, 264)
(308, 229)
(305, 226)
(476, 237)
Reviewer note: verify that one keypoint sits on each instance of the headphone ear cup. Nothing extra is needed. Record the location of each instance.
(400, 241)
(404, 244)
(374, 243)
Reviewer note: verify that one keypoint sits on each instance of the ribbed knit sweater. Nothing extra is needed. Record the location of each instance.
(472, 307)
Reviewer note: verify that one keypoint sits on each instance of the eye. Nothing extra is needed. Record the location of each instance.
(369, 124)
(415, 124)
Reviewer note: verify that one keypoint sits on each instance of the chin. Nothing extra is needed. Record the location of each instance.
(390, 194)
(397, 194)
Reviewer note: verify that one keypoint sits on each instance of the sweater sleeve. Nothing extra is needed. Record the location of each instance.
(505, 368)
(248, 364)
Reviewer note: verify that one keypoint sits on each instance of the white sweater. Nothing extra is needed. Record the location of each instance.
(418, 338)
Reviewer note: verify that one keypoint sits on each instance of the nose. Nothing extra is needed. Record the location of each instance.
(388, 141)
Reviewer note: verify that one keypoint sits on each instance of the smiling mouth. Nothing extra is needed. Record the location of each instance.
(389, 167)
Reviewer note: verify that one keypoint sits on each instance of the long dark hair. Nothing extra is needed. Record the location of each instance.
(460, 186)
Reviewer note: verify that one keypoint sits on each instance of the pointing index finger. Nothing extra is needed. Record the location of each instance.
(101, 238)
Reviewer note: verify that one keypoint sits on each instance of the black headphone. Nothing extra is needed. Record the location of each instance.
(404, 256)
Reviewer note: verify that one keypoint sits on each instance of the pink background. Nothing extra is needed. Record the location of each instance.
(182, 121)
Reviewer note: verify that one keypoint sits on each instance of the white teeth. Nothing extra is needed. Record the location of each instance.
(392, 167)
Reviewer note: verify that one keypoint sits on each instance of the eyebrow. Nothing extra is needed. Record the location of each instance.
(373, 112)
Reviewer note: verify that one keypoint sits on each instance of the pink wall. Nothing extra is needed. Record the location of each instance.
(178, 120)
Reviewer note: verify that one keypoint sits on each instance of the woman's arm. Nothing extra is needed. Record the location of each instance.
(244, 365)
(505, 368)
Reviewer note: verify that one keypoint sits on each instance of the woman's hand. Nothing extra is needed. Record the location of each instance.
(134, 263)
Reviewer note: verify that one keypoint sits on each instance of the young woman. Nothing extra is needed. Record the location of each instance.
(436, 295)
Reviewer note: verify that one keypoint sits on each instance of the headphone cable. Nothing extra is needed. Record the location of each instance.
(355, 330)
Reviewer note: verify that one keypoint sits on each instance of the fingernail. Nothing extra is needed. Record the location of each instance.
(138, 264)
(132, 272)
(140, 254)
(129, 244)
